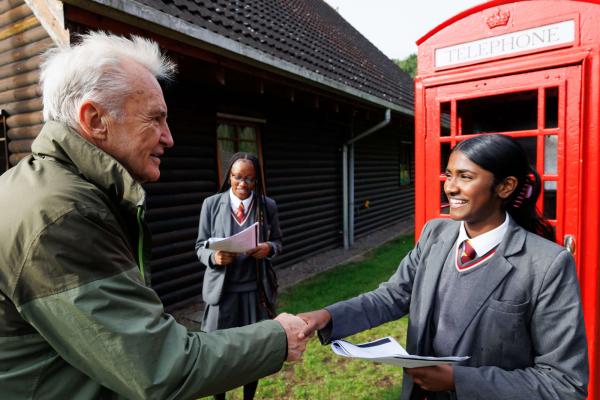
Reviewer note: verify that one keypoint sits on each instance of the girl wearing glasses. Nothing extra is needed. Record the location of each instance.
(239, 289)
(490, 284)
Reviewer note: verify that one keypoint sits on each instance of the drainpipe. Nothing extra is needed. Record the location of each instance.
(348, 179)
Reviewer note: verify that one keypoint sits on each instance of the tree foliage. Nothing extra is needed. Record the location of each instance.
(408, 65)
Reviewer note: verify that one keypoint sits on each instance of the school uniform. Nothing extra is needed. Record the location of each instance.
(231, 292)
(517, 315)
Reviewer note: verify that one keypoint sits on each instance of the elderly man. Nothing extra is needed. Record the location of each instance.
(77, 320)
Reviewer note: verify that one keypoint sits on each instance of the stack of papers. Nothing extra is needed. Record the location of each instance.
(241, 242)
(388, 351)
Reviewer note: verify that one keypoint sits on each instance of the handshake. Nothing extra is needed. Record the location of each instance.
(300, 328)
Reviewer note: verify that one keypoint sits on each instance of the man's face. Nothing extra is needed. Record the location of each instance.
(140, 135)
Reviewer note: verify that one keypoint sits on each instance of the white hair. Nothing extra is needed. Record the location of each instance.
(93, 70)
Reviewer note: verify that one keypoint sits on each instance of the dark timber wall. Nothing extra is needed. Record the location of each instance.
(379, 198)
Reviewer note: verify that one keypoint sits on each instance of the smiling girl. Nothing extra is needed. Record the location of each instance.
(489, 284)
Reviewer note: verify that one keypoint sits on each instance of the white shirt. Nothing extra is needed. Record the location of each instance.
(486, 241)
(235, 201)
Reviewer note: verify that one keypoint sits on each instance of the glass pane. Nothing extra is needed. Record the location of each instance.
(226, 150)
(404, 162)
(248, 133)
(550, 199)
(550, 155)
(529, 144)
(444, 204)
(225, 131)
(551, 103)
(445, 118)
(500, 113)
(445, 151)
(249, 147)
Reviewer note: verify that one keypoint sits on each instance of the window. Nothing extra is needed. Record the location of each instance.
(233, 136)
(3, 143)
(406, 163)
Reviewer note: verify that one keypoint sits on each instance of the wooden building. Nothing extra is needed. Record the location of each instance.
(330, 115)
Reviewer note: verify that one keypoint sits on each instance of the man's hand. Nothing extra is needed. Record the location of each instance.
(434, 379)
(293, 326)
(315, 320)
(260, 251)
(223, 257)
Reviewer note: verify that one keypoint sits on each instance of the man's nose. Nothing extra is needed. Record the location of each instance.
(166, 138)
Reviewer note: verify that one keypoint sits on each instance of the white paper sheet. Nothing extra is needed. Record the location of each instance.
(239, 243)
(388, 351)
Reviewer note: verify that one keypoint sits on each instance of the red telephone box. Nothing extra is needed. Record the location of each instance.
(528, 69)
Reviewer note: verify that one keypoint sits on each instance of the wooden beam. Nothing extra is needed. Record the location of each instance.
(51, 15)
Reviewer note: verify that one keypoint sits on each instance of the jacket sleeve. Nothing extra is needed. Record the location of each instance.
(86, 298)
(390, 301)
(204, 233)
(275, 230)
(560, 365)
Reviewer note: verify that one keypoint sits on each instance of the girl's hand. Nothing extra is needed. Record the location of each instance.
(438, 378)
(223, 257)
(260, 251)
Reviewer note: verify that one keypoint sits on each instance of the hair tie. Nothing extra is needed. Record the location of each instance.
(526, 191)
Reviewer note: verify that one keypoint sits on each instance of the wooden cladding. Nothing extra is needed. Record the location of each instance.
(380, 197)
(22, 41)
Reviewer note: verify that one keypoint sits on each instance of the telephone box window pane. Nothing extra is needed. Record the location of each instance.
(529, 144)
(550, 199)
(550, 155)
(445, 151)
(444, 204)
(445, 118)
(501, 113)
(551, 105)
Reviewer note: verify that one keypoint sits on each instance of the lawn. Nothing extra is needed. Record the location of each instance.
(322, 374)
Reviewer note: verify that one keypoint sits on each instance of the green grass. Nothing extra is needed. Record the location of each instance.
(322, 374)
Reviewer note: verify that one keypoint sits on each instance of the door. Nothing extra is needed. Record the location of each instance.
(540, 110)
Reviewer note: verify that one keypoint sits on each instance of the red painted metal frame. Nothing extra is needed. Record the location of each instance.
(578, 206)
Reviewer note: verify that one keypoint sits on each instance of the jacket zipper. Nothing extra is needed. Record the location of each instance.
(140, 243)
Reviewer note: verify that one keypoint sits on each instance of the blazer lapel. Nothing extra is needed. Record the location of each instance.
(428, 289)
(495, 272)
(225, 214)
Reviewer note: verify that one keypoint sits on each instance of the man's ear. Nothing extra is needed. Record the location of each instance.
(92, 120)
(505, 188)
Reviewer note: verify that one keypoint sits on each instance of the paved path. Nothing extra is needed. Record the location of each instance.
(191, 316)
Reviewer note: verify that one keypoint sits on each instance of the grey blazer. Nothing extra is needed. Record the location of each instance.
(215, 221)
(523, 328)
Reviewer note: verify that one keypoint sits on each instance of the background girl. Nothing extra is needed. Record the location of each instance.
(236, 288)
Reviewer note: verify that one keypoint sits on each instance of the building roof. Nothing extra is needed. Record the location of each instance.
(308, 34)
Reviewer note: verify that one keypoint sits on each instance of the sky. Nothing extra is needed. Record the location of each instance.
(394, 26)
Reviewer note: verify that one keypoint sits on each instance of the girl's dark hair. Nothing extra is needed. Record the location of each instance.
(259, 188)
(504, 157)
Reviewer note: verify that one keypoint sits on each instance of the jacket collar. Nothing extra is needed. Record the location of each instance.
(65, 145)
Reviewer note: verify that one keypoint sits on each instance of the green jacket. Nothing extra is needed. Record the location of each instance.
(76, 319)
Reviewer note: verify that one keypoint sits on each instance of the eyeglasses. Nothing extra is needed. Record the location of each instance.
(247, 180)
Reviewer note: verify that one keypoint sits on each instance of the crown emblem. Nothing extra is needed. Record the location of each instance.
(499, 18)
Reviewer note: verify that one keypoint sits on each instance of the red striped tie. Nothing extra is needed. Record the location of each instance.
(240, 213)
(468, 253)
